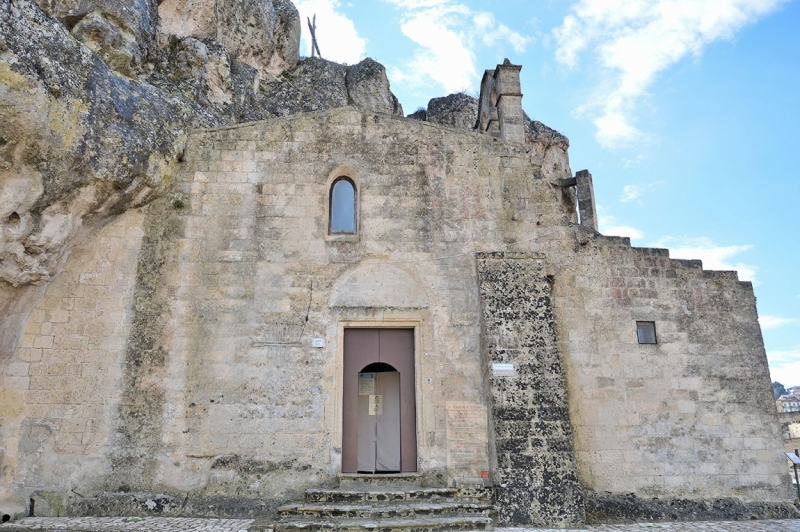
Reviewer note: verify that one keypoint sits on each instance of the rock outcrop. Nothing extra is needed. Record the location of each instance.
(262, 34)
(368, 88)
(550, 145)
(78, 142)
(122, 34)
(316, 85)
(98, 96)
(457, 110)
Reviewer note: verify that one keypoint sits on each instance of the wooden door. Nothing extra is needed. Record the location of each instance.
(378, 420)
(395, 348)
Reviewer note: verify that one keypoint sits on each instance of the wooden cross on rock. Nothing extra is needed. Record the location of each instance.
(312, 26)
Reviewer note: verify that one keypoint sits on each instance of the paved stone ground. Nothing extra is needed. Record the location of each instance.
(180, 524)
(119, 524)
(783, 525)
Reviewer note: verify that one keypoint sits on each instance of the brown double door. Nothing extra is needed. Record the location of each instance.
(379, 425)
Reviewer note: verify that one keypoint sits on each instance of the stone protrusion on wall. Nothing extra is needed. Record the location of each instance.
(500, 104)
(535, 472)
(586, 204)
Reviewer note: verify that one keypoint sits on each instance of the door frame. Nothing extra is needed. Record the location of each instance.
(402, 323)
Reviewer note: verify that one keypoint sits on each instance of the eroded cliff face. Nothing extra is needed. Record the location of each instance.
(98, 96)
(78, 141)
(262, 34)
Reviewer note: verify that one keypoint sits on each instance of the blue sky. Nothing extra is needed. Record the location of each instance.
(685, 111)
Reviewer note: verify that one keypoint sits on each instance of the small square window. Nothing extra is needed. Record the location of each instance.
(646, 332)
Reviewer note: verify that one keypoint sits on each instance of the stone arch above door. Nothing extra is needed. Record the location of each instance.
(379, 285)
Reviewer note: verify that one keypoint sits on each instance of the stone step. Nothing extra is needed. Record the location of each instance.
(382, 494)
(396, 480)
(387, 510)
(434, 524)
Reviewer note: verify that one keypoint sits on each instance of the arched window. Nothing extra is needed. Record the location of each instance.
(342, 207)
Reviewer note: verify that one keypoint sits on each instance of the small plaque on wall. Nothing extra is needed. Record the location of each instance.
(504, 370)
(467, 439)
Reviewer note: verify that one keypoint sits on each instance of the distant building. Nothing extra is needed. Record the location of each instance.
(789, 403)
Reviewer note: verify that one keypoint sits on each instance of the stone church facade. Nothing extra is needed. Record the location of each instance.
(451, 315)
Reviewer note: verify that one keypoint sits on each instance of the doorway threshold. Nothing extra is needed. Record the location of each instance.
(347, 480)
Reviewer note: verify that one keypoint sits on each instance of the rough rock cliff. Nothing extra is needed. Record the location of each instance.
(98, 96)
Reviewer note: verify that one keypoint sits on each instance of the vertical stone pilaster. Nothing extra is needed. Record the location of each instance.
(586, 205)
(509, 111)
(509, 102)
(138, 435)
(535, 472)
(500, 104)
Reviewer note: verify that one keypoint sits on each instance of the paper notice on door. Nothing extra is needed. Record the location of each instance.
(366, 383)
(376, 405)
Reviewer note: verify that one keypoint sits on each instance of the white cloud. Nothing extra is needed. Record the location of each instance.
(784, 366)
(491, 33)
(635, 40)
(446, 32)
(630, 193)
(623, 230)
(443, 54)
(775, 322)
(627, 163)
(609, 225)
(714, 257)
(337, 37)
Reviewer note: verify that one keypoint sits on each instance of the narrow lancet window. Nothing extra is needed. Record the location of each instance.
(343, 207)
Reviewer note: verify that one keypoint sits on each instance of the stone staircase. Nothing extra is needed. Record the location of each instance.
(389, 503)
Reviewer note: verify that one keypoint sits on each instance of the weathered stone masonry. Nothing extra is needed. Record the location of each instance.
(173, 306)
(208, 356)
(535, 473)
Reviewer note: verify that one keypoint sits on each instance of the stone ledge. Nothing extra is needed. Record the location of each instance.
(508, 255)
(627, 507)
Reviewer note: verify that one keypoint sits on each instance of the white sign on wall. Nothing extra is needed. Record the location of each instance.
(504, 370)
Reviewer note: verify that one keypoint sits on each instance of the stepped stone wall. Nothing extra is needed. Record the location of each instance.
(687, 416)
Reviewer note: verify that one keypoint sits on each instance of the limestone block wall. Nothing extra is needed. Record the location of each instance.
(224, 398)
(172, 365)
(59, 388)
(691, 416)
